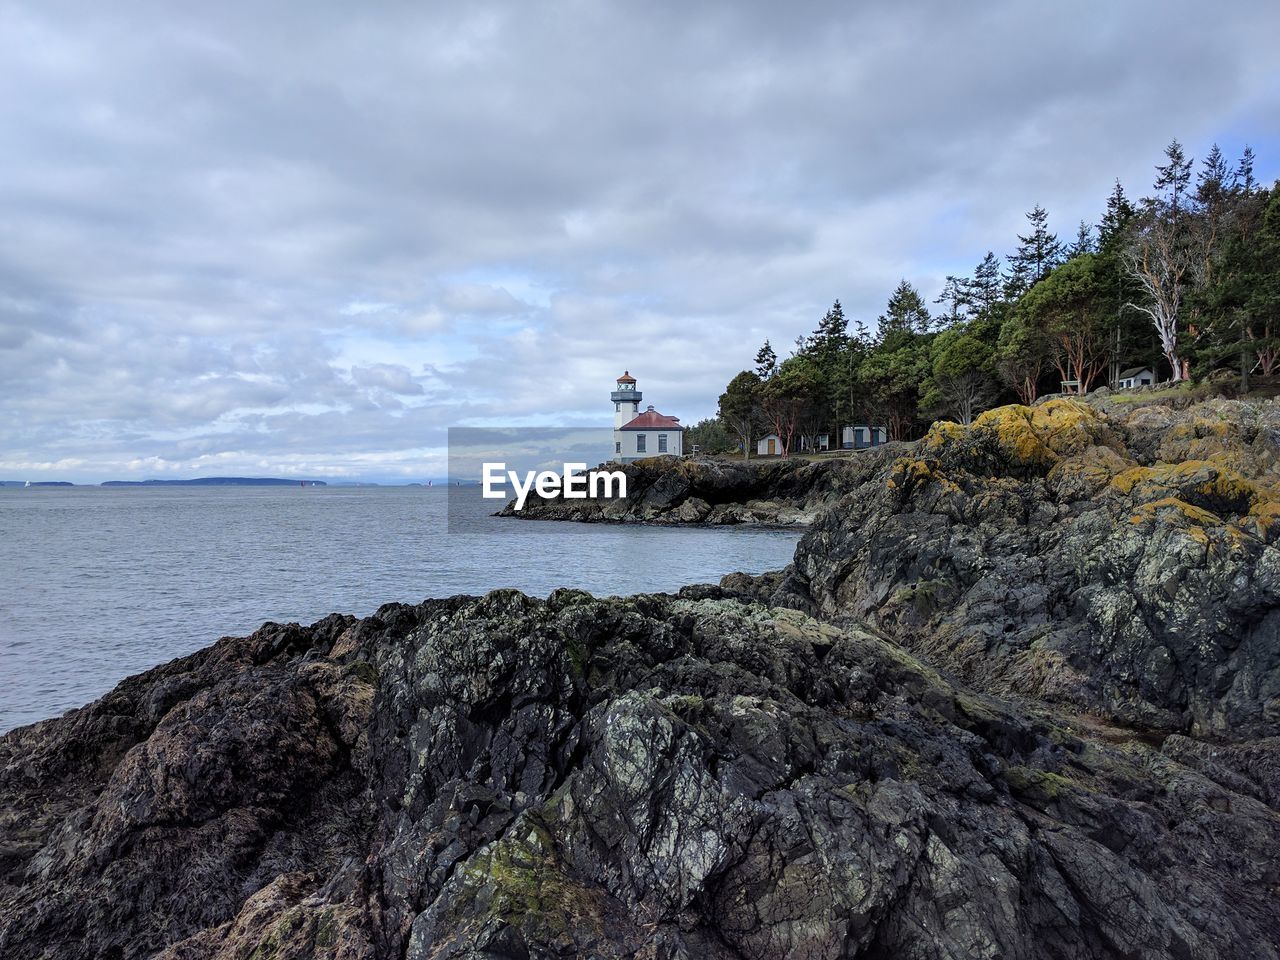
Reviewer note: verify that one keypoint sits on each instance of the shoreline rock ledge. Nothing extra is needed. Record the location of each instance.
(717, 492)
(662, 777)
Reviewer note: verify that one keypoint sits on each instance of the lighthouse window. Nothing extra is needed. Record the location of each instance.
(662, 443)
(640, 439)
(617, 446)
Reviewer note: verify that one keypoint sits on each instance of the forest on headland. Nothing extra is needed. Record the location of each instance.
(1184, 281)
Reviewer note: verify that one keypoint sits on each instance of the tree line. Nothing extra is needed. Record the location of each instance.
(1185, 281)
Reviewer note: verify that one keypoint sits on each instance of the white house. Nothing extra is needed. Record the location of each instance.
(638, 435)
(1135, 377)
(770, 445)
(861, 436)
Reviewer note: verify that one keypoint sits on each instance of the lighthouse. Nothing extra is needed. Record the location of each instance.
(626, 400)
(638, 435)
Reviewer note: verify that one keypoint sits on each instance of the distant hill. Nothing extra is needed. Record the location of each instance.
(217, 482)
(36, 483)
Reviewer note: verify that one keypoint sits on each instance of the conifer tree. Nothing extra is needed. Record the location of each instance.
(954, 297)
(905, 313)
(1242, 180)
(828, 350)
(1211, 184)
(766, 361)
(1038, 253)
(1083, 242)
(1173, 180)
(984, 288)
(1017, 279)
(1116, 220)
(831, 334)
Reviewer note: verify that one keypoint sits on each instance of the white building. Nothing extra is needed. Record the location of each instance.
(860, 436)
(638, 435)
(1135, 377)
(770, 445)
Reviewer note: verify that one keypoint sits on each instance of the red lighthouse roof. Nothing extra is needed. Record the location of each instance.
(651, 419)
(626, 377)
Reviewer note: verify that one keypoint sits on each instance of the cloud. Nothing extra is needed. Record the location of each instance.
(389, 377)
(313, 237)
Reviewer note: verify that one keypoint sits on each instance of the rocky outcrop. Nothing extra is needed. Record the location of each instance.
(703, 490)
(690, 777)
(1114, 558)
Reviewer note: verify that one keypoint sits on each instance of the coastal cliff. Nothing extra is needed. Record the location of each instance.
(652, 777)
(1017, 696)
(1113, 559)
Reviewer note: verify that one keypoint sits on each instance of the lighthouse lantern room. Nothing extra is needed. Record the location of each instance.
(626, 400)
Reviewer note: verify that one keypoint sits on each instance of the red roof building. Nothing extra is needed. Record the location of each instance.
(639, 435)
(651, 419)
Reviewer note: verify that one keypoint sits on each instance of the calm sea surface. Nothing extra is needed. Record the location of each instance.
(100, 583)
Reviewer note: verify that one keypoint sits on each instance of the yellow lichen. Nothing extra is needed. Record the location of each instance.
(1192, 514)
(942, 433)
(1199, 482)
(908, 472)
(1088, 471)
(1040, 436)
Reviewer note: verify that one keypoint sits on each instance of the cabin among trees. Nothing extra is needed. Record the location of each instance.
(1173, 286)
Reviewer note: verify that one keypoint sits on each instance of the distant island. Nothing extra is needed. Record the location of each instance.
(217, 482)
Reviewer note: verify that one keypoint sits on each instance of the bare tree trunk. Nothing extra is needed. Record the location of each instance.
(1162, 264)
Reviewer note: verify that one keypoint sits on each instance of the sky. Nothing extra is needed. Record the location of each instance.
(304, 239)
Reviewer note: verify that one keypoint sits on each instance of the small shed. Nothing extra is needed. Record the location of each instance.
(770, 445)
(1135, 377)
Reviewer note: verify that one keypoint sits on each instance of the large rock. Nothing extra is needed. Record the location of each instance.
(656, 777)
(1118, 560)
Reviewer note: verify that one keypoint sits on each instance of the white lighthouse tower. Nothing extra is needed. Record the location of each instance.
(638, 435)
(626, 400)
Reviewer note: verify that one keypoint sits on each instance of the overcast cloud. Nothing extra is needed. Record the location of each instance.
(304, 239)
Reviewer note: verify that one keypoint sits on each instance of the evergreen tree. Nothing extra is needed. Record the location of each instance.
(906, 313)
(955, 298)
(1017, 279)
(829, 339)
(1239, 300)
(1116, 220)
(766, 361)
(1038, 253)
(1242, 180)
(1173, 180)
(1211, 184)
(827, 350)
(1083, 242)
(984, 288)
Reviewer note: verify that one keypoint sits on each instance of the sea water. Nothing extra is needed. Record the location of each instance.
(97, 583)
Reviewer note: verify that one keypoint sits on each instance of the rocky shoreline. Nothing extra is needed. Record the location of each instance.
(704, 491)
(1018, 696)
